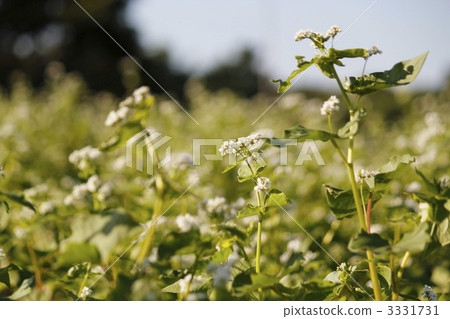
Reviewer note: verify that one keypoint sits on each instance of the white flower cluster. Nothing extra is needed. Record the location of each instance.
(428, 293)
(330, 105)
(242, 145)
(186, 222)
(222, 273)
(333, 31)
(263, 184)
(216, 204)
(365, 173)
(303, 34)
(46, 207)
(184, 283)
(2, 172)
(219, 206)
(122, 114)
(126, 110)
(36, 191)
(84, 157)
(181, 161)
(86, 291)
(93, 185)
(308, 34)
(2, 254)
(372, 51)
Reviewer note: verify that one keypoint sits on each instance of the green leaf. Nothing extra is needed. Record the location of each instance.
(334, 277)
(342, 203)
(24, 289)
(248, 210)
(388, 173)
(415, 241)
(348, 53)
(351, 127)
(386, 276)
(401, 73)
(249, 171)
(325, 65)
(77, 253)
(302, 133)
(105, 230)
(302, 66)
(262, 281)
(222, 255)
(276, 198)
(176, 288)
(437, 212)
(364, 241)
(4, 274)
(121, 137)
(443, 232)
(18, 198)
(431, 187)
(5, 203)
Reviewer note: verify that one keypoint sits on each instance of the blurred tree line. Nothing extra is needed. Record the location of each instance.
(35, 33)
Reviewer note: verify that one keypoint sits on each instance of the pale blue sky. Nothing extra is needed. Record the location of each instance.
(201, 33)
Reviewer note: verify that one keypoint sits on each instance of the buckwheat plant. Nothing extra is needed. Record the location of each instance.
(245, 153)
(369, 186)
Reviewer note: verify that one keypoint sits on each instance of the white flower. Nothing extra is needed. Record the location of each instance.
(81, 158)
(333, 31)
(97, 270)
(34, 192)
(428, 293)
(330, 105)
(217, 204)
(222, 276)
(128, 102)
(141, 94)
(184, 283)
(413, 187)
(182, 160)
(186, 222)
(294, 245)
(262, 184)
(364, 173)
(372, 51)
(79, 191)
(303, 34)
(69, 200)
(423, 209)
(20, 232)
(112, 119)
(104, 191)
(46, 207)
(93, 183)
(2, 254)
(242, 146)
(86, 291)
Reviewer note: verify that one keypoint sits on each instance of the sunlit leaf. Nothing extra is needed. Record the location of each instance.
(302, 133)
(401, 73)
(414, 241)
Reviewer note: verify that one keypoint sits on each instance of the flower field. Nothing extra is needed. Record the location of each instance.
(320, 198)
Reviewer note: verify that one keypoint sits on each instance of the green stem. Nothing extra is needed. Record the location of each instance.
(86, 276)
(403, 265)
(148, 240)
(333, 141)
(258, 243)
(356, 195)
